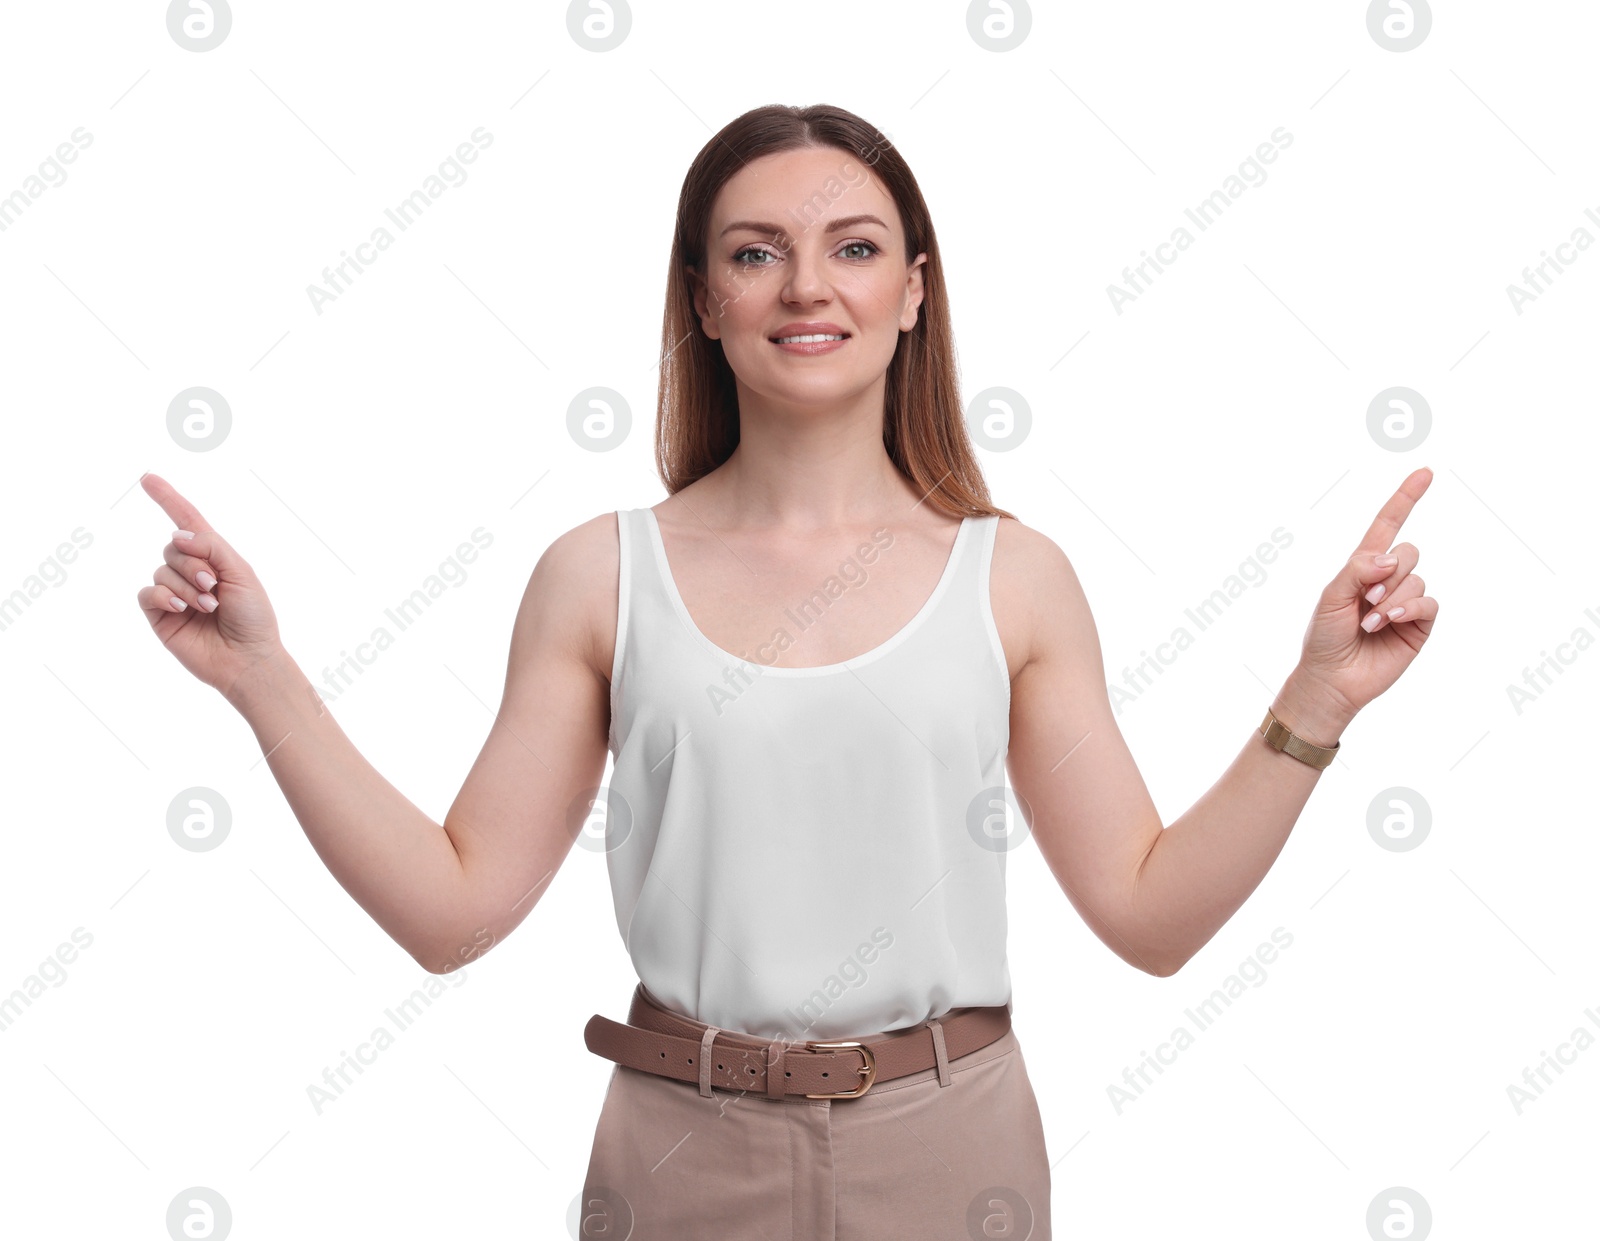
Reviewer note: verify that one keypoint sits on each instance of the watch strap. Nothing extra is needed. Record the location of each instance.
(1279, 737)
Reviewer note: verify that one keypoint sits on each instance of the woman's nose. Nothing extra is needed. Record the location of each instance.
(807, 277)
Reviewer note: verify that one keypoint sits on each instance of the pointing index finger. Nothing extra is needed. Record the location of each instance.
(1380, 535)
(183, 514)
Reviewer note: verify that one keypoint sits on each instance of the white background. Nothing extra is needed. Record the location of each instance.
(369, 440)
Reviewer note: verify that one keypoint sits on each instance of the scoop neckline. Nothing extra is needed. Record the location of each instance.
(883, 648)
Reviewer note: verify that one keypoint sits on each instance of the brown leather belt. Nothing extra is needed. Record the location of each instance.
(657, 1040)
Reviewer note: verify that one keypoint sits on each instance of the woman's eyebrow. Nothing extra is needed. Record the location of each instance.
(850, 221)
(777, 230)
(755, 226)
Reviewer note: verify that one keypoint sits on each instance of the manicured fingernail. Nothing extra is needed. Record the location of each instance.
(207, 602)
(1385, 560)
(183, 534)
(207, 581)
(1372, 620)
(177, 604)
(1396, 613)
(1373, 595)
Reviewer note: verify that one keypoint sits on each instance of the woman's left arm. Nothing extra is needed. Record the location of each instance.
(1156, 896)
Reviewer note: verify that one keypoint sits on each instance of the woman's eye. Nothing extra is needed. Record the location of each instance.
(866, 246)
(744, 256)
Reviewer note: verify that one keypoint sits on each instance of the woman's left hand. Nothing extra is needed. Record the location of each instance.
(1341, 655)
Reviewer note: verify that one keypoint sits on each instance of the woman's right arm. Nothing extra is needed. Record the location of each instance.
(445, 893)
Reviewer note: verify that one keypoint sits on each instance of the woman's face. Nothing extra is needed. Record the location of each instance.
(807, 243)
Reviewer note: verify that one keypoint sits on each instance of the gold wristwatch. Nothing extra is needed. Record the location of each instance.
(1280, 738)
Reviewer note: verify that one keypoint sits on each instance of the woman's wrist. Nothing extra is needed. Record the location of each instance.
(1311, 711)
(269, 673)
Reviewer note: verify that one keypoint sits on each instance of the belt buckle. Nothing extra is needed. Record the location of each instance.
(869, 1069)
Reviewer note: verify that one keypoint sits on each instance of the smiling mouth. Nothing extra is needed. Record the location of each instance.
(809, 338)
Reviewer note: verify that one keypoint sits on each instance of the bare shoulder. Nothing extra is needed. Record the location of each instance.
(1036, 597)
(571, 598)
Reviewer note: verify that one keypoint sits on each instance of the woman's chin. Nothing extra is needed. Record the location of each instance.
(821, 380)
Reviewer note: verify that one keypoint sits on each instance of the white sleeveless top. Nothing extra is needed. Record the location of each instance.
(810, 853)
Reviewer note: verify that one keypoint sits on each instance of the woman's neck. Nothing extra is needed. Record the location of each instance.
(806, 468)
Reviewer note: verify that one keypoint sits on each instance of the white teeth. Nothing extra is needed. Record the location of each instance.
(805, 340)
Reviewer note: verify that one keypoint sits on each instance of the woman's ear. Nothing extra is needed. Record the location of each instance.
(908, 318)
(701, 293)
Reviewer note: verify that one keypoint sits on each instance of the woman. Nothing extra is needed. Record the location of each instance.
(812, 664)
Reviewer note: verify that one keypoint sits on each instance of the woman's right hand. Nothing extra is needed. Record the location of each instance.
(224, 624)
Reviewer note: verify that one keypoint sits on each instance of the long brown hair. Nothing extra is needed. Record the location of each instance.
(697, 407)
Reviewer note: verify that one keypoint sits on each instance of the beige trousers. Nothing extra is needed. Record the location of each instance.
(963, 1161)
